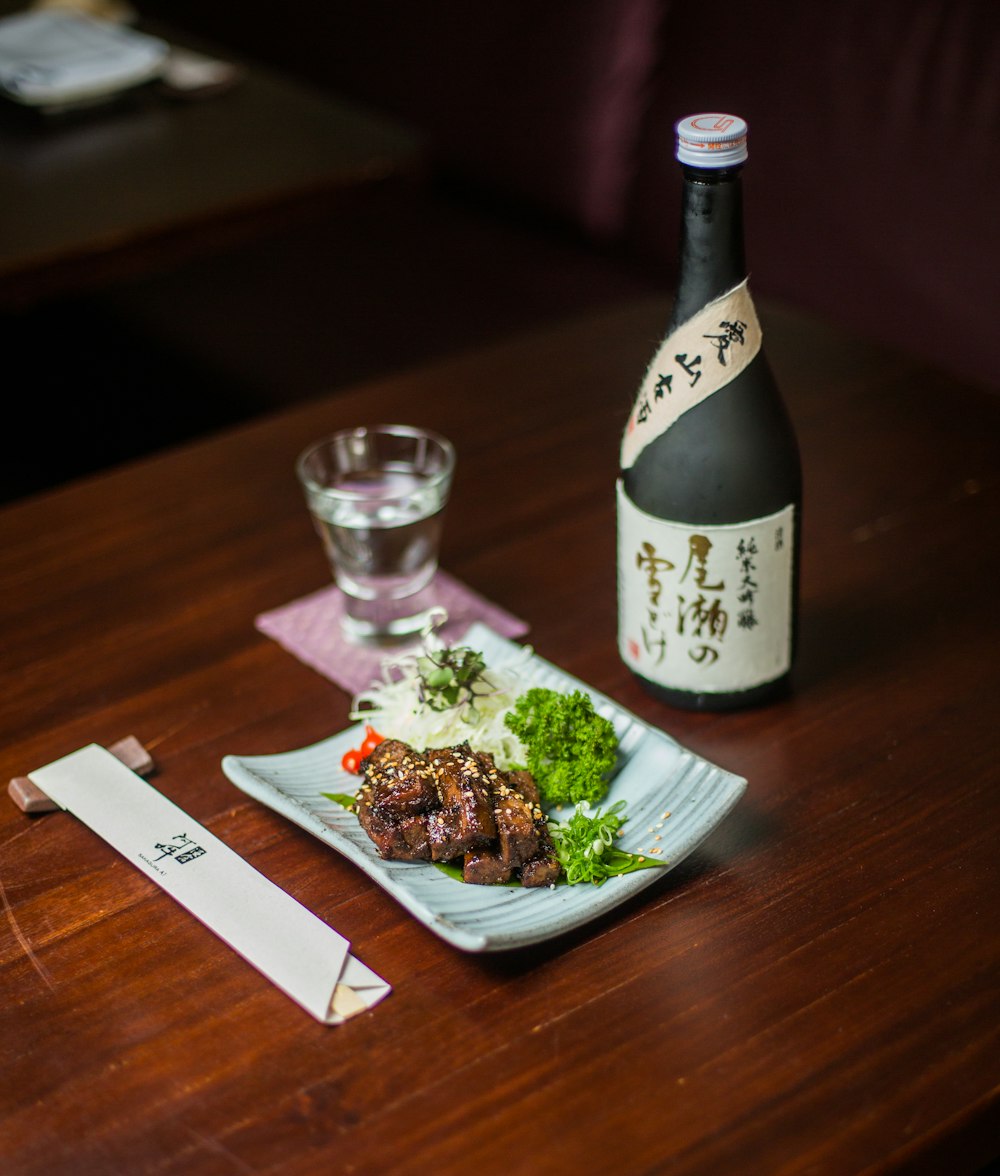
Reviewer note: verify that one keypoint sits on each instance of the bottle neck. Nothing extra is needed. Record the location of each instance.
(711, 249)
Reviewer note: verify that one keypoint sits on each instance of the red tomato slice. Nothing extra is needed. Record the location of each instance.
(372, 740)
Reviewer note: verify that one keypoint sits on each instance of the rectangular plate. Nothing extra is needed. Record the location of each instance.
(656, 776)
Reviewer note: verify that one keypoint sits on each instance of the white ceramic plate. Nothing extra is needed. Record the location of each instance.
(656, 776)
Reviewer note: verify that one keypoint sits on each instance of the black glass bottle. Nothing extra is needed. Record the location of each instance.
(710, 489)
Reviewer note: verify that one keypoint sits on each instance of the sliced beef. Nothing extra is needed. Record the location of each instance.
(515, 821)
(450, 803)
(401, 780)
(521, 780)
(516, 830)
(444, 835)
(401, 841)
(415, 834)
(466, 804)
(485, 867)
(543, 869)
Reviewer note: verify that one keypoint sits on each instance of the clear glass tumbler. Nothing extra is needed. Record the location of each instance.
(377, 496)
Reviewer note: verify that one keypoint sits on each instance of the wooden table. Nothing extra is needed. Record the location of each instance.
(814, 990)
(92, 197)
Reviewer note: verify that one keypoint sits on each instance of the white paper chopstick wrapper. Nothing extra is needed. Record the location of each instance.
(303, 956)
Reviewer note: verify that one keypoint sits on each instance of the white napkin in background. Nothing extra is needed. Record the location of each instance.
(55, 57)
(297, 951)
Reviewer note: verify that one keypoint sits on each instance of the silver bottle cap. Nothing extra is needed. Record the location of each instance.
(712, 140)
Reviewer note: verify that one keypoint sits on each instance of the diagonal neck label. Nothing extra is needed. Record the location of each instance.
(694, 361)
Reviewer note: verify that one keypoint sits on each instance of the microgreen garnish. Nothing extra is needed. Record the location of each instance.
(451, 679)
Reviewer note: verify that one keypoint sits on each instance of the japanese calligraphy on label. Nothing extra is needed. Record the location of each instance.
(698, 358)
(705, 609)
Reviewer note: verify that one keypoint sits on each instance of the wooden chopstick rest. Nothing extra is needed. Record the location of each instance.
(29, 798)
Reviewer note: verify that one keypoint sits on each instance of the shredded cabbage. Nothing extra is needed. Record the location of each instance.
(395, 708)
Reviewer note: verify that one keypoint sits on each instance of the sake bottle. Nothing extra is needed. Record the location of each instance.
(709, 494)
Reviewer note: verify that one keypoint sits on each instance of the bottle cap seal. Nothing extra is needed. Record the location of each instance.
(712, 140)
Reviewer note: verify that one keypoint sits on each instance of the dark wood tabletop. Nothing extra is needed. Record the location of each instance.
(814, 990)
(97, 195)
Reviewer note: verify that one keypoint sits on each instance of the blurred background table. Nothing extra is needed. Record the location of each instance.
(548, 190)
(147, 188)
(126, 189)
(814, 990)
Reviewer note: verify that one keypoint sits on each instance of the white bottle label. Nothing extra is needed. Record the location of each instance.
(705, 609)
(698, 358)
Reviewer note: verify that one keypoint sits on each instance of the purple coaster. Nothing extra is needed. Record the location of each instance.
(310, 629)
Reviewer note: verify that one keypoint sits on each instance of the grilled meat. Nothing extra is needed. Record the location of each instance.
(543, 869)
(402, 840)
(401, 780)
(485, 867)
(465, 820)
(451, 802)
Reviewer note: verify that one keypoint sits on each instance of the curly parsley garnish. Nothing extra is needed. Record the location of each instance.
(570, 747)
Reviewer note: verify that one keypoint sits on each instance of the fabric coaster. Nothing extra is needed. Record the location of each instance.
(310, 629)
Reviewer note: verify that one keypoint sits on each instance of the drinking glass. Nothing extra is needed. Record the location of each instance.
(377, 496)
